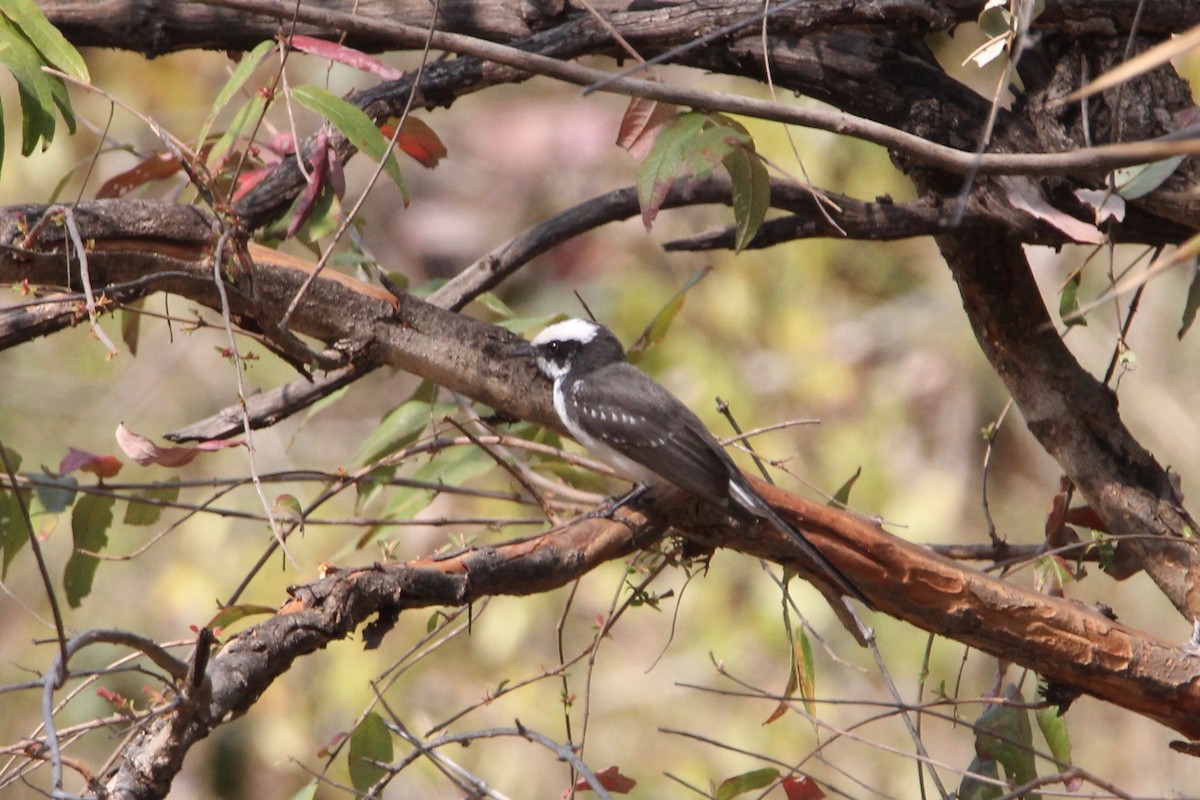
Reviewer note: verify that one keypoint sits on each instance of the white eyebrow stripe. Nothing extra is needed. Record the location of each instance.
(571, 330)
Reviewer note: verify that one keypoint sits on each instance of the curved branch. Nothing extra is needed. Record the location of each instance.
(1073, 415)
(1060, 640)
(488, 63)
(175, 25)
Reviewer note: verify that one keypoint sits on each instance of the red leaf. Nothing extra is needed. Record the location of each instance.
(248, 180)
(312, 190)
(779, 711)
(418, 140)
(281, 144)
(154, 168)
(103, 466)
(337, 177)
(1086, 516)
(100, 466)
(640, 125)
(145, 452)
(113, 697)
(345, 55)
(327, 750)
(610, 778)
(801, 787)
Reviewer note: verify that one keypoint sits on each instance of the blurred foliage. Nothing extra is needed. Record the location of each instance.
(868, 339)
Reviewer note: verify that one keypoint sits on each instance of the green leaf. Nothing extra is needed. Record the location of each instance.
(399, 428)
(747, 782)
(456, 466)
(40, 93)
(1068, 303)
(495, 305)
(1003, 734)
(55, 494)
(710, 148)
(405, 503)
(13, 531)
(52, 45)
(523, 326)
(751, 193)
(1142, 179)
(252, 109)
(663, 163)
(806, 675)
(37, 102)
(657, 329)
(370, 741)
(842, 496)
(371, 485)
(14, 458)
(90, 522)
(1193, 300)
(323, 217)
(236, 81)
(1054, 729)
(972, 788)
(147, 514)
(37, 124)
(354, 125)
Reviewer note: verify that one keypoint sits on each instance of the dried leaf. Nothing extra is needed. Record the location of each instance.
(145, 452)
(155, 168)
(610, 778)
(1105, 205)
(1024, 195)
(640, 125)
(100, 466)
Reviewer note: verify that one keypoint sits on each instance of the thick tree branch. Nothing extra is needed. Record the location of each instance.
(172, 25)
(1060, 640)
(467, 356)
(1073, 415)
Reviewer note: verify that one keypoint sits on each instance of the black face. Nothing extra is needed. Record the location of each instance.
(560, 352)
(577, 346)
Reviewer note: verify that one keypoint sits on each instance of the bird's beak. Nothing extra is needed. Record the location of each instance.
(523, 350)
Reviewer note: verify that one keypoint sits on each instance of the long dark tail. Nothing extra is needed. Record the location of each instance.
(748, 498)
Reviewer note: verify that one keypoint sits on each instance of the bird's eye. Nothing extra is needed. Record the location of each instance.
(554, 348)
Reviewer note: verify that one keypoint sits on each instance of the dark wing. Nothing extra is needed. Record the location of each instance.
(644, 422)
(623, 408)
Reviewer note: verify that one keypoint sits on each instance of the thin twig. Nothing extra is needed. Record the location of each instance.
(239, 368)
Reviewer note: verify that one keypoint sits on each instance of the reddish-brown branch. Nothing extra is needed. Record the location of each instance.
(1058, 639)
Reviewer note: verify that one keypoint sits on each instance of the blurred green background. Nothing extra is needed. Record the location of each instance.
(867, 340)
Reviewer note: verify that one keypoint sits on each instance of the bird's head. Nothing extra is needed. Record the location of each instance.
(575, 346)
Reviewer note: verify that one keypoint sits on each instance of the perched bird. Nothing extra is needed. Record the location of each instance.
(644, 432)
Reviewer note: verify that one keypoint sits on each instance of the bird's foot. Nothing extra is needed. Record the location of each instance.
(607, 510)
